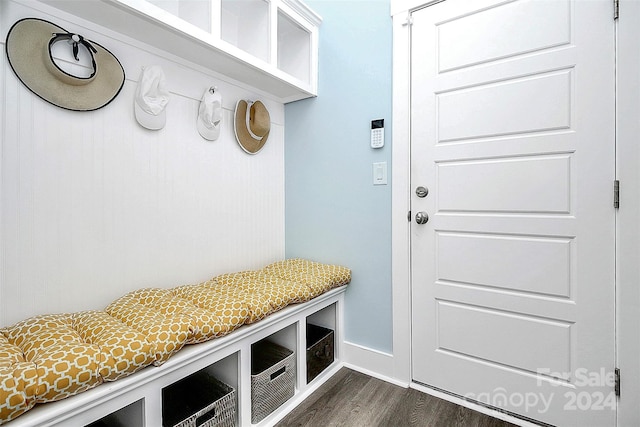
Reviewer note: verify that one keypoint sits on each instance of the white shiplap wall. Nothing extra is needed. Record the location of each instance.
(94, 206)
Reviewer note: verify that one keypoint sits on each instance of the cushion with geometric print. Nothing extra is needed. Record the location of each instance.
(167, 333)
(18, 382)
(66, 365)
(123, 350)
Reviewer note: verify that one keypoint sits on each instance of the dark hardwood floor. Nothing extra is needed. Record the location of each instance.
(351, 398)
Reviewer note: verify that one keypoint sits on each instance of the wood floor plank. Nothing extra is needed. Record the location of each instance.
(331, 400)
(353, 399)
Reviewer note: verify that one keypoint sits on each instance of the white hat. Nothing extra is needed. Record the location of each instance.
(151, 98)
(210, 115)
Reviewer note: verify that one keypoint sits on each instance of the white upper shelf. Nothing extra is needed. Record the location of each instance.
(268, 44)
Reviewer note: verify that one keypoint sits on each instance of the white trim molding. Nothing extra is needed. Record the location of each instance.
(628, 219)
(400, 201)
(372, 362)
(395, 367)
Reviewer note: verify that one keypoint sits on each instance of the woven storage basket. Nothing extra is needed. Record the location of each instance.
(273, 378)
(199, 400)
(320, 350)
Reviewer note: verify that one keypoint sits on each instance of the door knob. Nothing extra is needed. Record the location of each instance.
(422, 191)
(422, 218)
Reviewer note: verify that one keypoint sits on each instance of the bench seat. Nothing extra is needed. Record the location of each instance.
(51, 357)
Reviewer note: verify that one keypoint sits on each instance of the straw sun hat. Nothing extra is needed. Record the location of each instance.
(252, 124)
(29, 46)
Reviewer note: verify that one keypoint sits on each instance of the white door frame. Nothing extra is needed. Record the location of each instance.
(628, 219)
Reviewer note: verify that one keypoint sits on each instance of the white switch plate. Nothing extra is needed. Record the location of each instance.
(380, 173)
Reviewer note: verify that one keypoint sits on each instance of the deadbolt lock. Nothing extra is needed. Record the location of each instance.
(422, 192)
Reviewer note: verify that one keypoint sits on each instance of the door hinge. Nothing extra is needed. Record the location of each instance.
(616, 9)
(617, 386)
(616, 194)
(409, 216)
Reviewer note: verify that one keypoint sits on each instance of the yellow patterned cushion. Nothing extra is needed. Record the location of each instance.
(18, 388)
(318, 277)
(257, 303)
(279, 292)
(18, 382)
(200, 321)
(123, 349)
(229, 313)
(65, 364)
(168, 334)
(9, 353)
(66, 369)
(36, 333)
(269, 288)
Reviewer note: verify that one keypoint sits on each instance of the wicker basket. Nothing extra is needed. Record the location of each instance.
(273, 378)
(320, 350)
(199, 400)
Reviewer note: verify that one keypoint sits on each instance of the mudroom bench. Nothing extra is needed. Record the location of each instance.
(171, 392)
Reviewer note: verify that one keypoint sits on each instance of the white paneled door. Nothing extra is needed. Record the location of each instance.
(512, 136)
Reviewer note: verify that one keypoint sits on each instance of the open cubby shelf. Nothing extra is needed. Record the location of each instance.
(246, 25)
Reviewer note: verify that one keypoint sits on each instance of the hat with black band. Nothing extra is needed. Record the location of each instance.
(29, 46)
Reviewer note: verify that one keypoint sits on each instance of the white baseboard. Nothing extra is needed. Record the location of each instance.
(376, 375)
(372, 362)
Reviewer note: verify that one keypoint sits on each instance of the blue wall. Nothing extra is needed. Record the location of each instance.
(334, 213)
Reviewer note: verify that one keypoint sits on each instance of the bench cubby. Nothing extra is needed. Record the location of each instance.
(131, 416)
(273, 377)
(320, 345)
(320, 341)
(202, 398)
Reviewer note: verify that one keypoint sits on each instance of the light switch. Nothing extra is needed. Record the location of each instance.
(380, 173)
